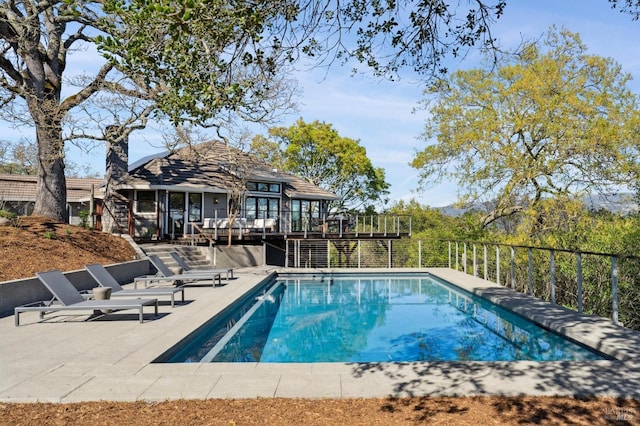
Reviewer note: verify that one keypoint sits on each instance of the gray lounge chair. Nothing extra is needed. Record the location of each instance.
(105, 279)
(189, 270)
(165, 274)
(67, 298)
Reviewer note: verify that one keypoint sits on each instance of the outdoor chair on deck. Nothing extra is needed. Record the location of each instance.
(189, 270)
(105, 279)
(67, 298)
(166, 275)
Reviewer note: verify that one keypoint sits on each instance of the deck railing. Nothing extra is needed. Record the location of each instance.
(327, 226)
(603, 284)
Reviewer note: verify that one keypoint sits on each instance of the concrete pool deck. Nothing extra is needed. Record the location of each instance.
(67, 359)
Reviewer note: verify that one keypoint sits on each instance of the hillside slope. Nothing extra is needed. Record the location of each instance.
(34, 244)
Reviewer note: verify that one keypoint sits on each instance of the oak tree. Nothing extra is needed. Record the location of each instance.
(552, 121)
(316, 152)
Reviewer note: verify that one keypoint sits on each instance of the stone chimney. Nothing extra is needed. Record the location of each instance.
(117, 168)
(117, 154)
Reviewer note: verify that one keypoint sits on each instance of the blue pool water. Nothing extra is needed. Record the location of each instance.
(366, 318)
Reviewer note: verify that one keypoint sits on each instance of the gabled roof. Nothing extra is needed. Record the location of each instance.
(210, 166)
(23, 188)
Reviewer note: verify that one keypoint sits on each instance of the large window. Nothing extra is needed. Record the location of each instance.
(146, 202)
(262, 207)
(195, 207)
(304, 211)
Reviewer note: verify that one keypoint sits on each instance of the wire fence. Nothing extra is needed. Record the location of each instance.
(369, 253)
(607, 285)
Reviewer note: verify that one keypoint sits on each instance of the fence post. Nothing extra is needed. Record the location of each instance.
(449, 243)
(485, 262)
(498, 265)
(264, 253)
(475, 261)
(286, 253)
(357, 223)
(614, 289)
(215, 224)
(530, 271)
(371, 233)
(385, 225)
(513, 268)
(328, 253)
(325, 226)
(419, 253)
(457, 247)
(552, 277)
(358, 253)
(579, 278)
(390, 258)
(464, 257)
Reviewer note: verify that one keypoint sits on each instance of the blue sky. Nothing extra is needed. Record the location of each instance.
(380, 114)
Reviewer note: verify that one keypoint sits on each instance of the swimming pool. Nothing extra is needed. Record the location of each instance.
(370, 318)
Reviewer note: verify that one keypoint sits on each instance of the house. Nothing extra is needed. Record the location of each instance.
(203, 191)
(208, 188)
(18, 195)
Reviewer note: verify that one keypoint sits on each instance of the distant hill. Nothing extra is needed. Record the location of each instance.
(621, 203)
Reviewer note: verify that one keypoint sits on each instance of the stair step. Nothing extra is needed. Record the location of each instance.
(194, 257)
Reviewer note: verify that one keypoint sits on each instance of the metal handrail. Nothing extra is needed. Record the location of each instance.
(548, 277)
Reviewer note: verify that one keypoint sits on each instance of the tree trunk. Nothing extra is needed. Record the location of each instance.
(51, 189)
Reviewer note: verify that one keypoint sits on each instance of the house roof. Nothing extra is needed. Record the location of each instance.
(208, 166)
(23, 188)
(211, 167)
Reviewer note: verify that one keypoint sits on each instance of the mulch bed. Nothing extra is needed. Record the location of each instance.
(375, 411)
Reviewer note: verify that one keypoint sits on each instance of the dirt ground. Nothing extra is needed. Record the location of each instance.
(35, 244)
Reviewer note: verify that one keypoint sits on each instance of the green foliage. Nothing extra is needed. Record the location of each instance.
(202, 58)
(7, 214)
(432, 224)
(552, 121)
(316, 152)
(50, 235)
(84, 218)
(434, 229)
(562, 224)
(568, 225)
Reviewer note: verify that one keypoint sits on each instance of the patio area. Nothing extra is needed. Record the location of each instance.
(65, 359)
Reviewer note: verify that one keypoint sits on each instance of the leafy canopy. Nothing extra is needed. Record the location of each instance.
(207, 57)
(316, 152)
(550, 121)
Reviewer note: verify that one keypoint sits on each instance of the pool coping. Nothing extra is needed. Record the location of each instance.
(66, 359)
(596, 332)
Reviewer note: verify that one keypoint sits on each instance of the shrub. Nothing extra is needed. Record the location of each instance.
(7, 214)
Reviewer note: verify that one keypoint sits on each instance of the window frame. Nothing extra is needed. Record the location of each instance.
(143, 202)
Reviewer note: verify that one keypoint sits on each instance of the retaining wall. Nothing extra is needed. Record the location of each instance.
(237, 256)
(28, 290)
